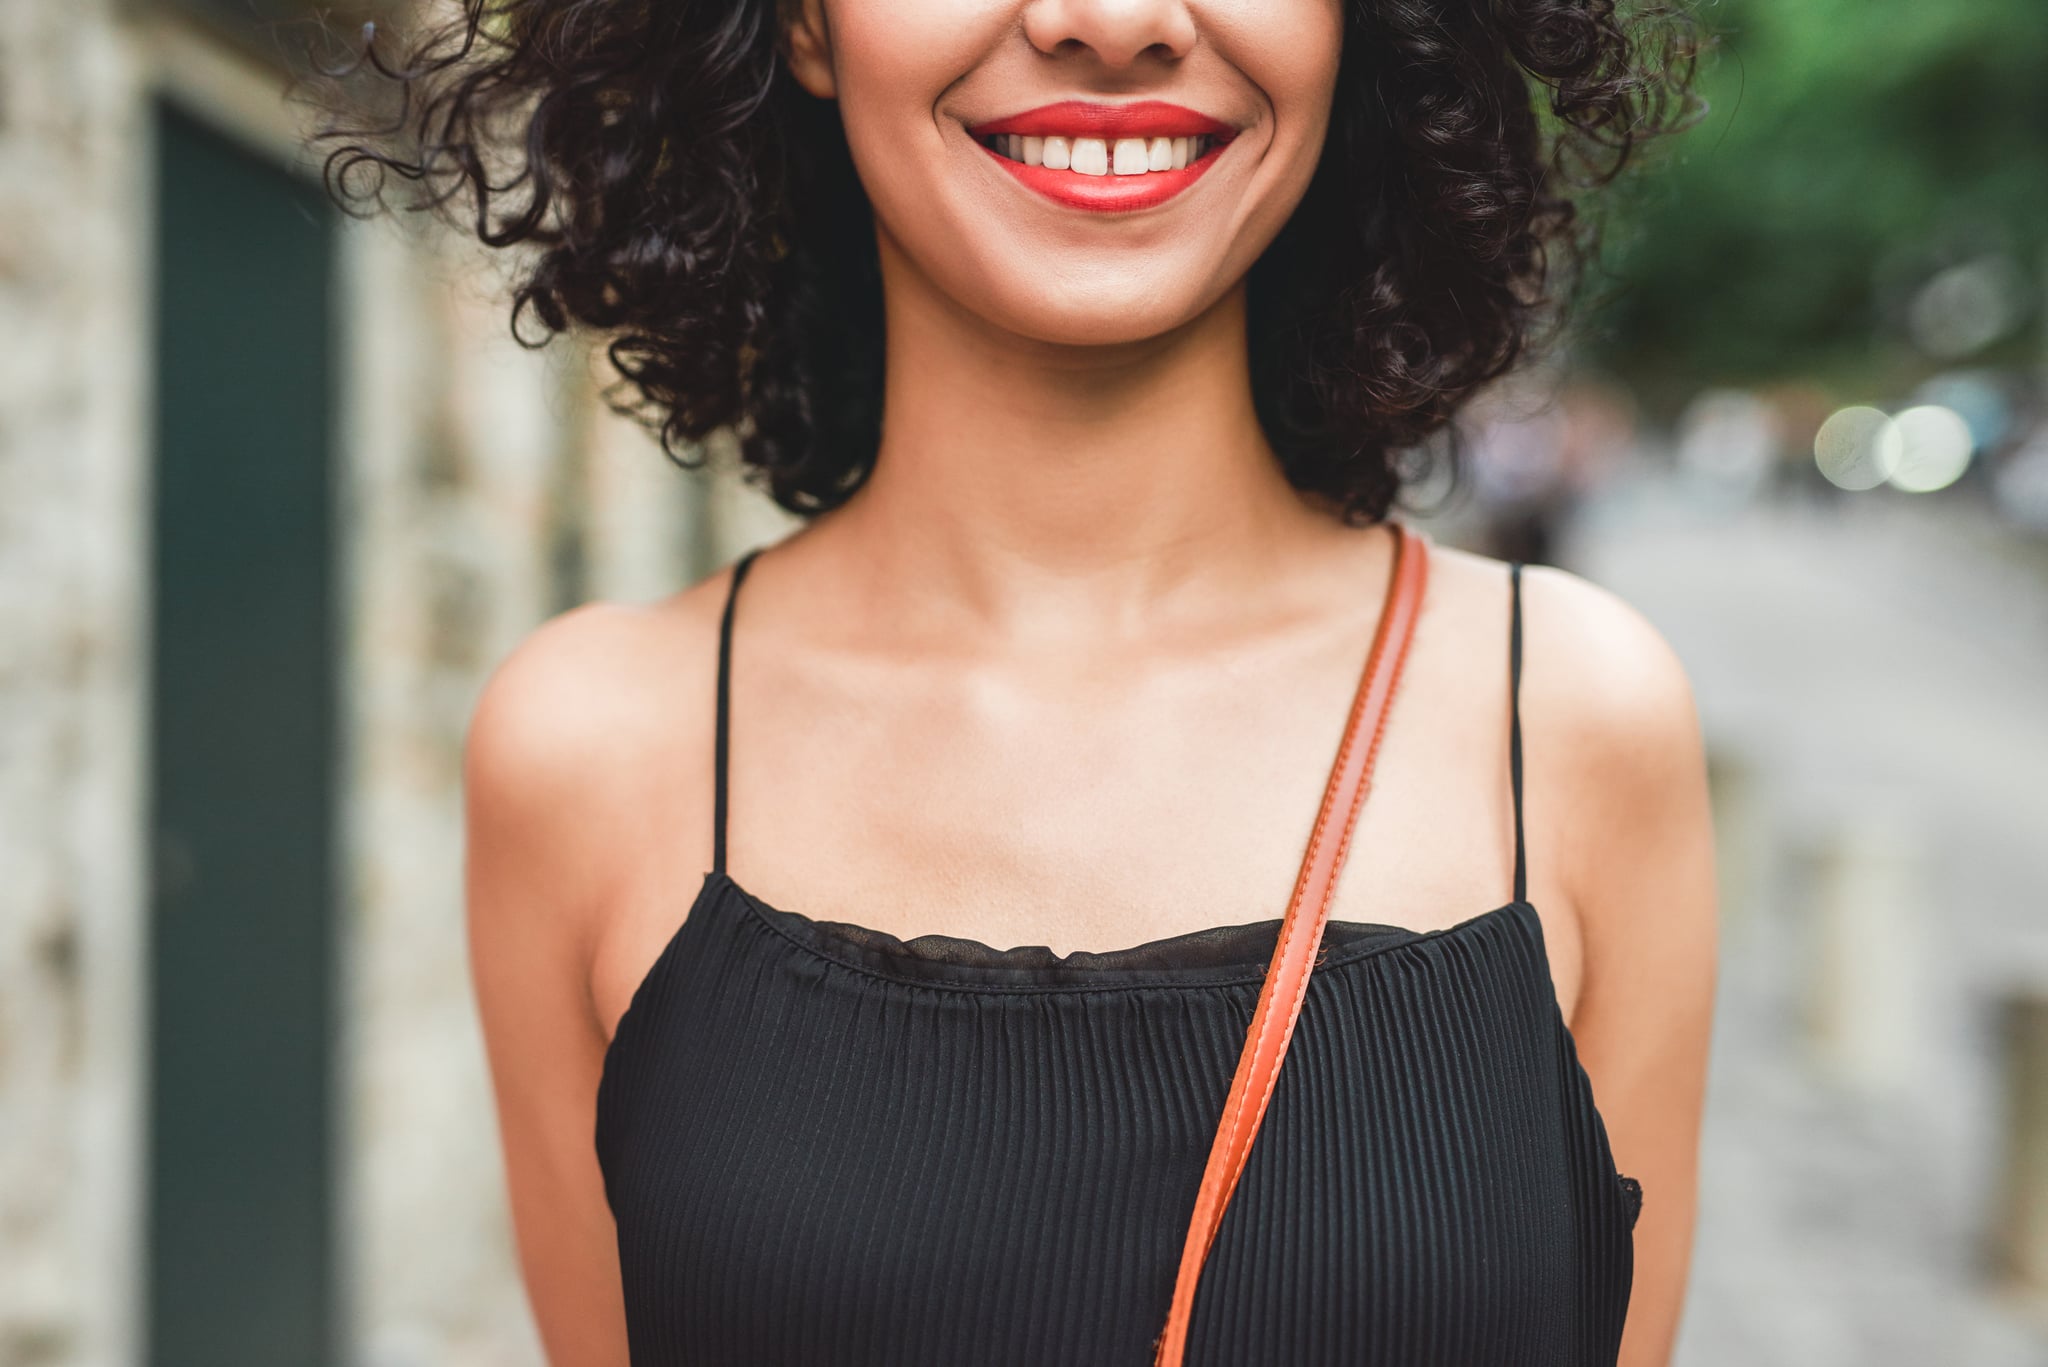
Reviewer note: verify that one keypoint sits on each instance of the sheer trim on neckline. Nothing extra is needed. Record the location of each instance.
(1235, 953)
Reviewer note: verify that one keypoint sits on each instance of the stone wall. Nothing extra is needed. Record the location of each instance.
(71, 376)
(483, 488)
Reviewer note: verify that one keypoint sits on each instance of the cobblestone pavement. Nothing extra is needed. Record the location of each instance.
(1871, 672)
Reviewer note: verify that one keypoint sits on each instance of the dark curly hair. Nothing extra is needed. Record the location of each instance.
(678, 192)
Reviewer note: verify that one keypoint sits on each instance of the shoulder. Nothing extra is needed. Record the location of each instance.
(589, 716)
(1606, 684)
(1594, 664)
(579, 689)
(1611, 736)
(1618, 779)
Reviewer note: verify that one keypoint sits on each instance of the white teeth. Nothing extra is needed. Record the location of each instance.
(1100, 156)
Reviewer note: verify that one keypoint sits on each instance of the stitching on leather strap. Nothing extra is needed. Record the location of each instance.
(1375, 695)
(1382, 705)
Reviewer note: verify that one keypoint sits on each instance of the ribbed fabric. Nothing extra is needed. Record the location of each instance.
(825, 1145)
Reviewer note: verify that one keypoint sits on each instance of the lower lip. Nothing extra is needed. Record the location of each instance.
(1109, 193)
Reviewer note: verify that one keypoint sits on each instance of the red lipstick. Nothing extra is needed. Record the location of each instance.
(1087, 119)
(1083, 119)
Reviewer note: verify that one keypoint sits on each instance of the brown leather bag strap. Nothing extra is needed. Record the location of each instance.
(1301, 931)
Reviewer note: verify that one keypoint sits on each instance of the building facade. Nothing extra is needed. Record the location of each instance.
(278, 491)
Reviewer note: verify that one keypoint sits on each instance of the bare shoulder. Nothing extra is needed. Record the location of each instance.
(1595, 669)
(1609, 699)
(1607, 675)
(1616, 763)
(586, 719)
(573, 688)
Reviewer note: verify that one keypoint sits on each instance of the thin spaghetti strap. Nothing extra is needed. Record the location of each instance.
(720, 744)
(1515, 720)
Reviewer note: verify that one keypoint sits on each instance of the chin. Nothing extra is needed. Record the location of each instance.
(1084, 312)
(1100, 325)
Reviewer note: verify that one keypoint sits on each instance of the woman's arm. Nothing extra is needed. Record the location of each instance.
(535, 769)
(1621, 785)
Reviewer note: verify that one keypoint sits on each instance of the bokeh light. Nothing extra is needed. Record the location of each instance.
(1927, 448)
(1851, 449)
(1968, 306)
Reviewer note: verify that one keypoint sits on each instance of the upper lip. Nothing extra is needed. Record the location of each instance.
(1090, 119)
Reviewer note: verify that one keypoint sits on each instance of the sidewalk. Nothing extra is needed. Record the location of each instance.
(1873, 681)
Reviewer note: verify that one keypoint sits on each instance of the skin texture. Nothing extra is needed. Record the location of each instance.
(1071, 668)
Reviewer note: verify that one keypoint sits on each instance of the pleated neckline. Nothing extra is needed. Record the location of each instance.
(1211, 957)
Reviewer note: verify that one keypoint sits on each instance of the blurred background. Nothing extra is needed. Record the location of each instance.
(277, 490)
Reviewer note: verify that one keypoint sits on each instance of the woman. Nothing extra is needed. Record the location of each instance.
(991, 785)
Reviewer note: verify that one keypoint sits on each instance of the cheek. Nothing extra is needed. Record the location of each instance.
(1291, 53)
(894, 61)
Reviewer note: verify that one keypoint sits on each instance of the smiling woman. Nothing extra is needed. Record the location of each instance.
(1092, 339)
(689, 195)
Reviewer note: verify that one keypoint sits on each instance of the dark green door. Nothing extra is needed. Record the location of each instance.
(243, 732)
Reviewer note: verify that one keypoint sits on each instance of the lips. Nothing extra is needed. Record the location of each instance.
(1073, 120)
(1084, 119)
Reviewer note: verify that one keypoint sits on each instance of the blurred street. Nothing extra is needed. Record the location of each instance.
(1871, 671)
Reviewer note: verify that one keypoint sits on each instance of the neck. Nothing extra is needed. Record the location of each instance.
(1030, 477)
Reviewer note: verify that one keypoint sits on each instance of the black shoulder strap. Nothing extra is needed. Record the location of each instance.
(1515, 718)
(719, 745)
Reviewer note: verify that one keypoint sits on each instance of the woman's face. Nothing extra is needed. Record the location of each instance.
(1055, 233)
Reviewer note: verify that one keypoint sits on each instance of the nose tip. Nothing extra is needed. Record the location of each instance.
(1118, 33)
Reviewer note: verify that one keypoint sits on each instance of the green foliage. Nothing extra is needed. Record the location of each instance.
(1851, 146)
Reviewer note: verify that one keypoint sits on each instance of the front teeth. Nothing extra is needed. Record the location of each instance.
(1100, 156)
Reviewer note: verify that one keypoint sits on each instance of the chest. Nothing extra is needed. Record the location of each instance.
(824, 1149)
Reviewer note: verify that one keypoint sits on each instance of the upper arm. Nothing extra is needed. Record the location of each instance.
(534, 871)
(1636, 856)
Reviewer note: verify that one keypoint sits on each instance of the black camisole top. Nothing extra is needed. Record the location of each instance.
(825, 1146)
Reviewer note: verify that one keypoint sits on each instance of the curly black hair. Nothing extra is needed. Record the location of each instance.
(675, 190)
